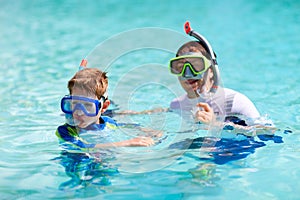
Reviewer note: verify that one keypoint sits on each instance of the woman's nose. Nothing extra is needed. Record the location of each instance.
(187, 72)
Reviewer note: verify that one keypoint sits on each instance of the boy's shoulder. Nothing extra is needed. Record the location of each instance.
(107, 119)
(66, 130)
(109, 122)
(66, 126)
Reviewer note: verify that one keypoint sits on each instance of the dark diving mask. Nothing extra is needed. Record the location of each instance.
(189, 66)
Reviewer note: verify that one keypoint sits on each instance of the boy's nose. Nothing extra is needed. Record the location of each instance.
(78, 112)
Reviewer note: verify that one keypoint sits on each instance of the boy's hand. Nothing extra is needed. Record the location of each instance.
(140, 142)
(204, 114)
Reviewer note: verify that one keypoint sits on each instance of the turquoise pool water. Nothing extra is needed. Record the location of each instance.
(42, 44)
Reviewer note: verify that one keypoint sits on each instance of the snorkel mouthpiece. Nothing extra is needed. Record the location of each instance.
(69, 117)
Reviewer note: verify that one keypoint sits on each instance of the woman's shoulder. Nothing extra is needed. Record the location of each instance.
(236, 95)
(229, 91)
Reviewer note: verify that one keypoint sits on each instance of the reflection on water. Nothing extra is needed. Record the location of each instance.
(177, 153)
(84, 169)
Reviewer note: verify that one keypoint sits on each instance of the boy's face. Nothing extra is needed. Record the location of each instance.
(80, 119)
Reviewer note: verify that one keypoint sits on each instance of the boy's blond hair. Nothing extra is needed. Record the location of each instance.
(92, 80)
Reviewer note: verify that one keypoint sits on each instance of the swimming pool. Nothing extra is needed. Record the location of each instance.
(257, 45)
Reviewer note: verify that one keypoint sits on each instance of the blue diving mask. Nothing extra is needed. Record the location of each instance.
(90, 107)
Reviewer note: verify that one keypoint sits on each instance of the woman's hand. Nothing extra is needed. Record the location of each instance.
(204, 114)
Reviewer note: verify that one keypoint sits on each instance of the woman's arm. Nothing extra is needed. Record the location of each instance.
(132, 112)
(252, 131)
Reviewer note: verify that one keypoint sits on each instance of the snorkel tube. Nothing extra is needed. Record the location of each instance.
(69, 117)
(203, 41)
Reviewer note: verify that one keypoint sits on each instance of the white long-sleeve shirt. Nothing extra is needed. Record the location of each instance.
(225, 102)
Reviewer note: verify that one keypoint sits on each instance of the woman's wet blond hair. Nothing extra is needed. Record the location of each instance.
(193, 46)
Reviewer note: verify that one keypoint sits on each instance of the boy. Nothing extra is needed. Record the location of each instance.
(83, 109)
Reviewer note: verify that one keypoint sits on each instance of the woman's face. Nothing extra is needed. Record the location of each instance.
(193, 86)
(190, 86)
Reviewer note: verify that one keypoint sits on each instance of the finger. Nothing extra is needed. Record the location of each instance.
(201, 117)
(204, 117)
(202, 114)
(205, 107)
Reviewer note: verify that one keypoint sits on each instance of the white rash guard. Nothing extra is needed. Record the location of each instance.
(225, 102)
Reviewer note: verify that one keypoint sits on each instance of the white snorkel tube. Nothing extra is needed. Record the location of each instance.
(214, 66)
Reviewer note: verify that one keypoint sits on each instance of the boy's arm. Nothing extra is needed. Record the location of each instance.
(68, 135)
(135, 142)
